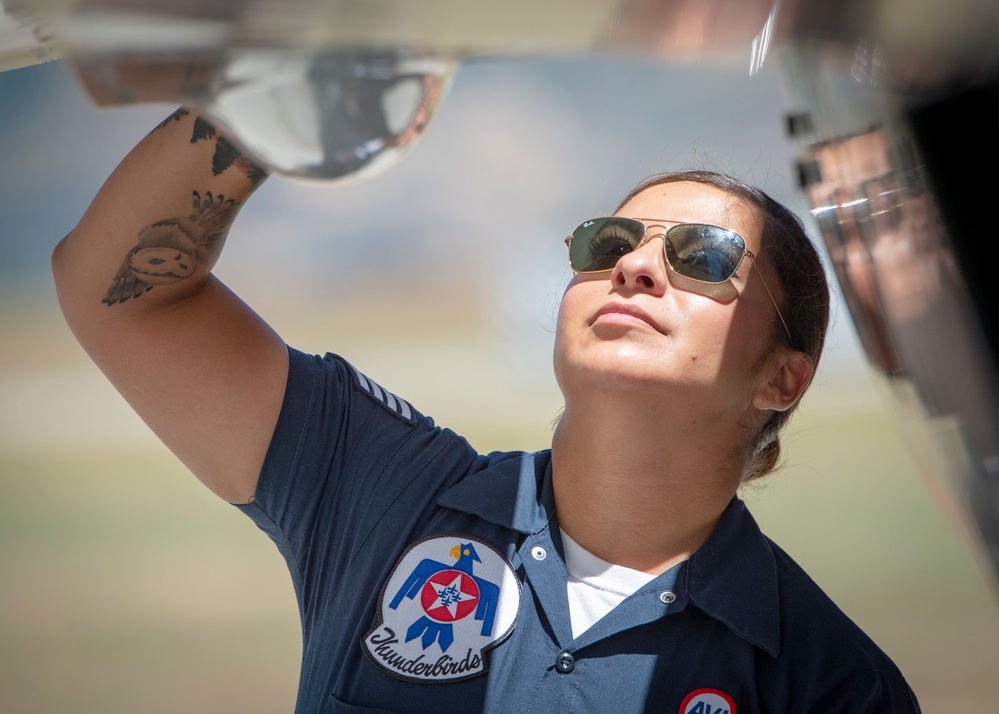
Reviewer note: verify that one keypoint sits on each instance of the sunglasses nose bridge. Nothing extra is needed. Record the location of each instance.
(641, 267)
(651, 234)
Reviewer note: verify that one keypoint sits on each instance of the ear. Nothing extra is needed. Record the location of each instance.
(783, 381)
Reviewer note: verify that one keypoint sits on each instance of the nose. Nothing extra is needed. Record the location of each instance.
(643, 269)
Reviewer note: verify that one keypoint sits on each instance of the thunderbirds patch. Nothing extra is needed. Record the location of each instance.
(449, 600)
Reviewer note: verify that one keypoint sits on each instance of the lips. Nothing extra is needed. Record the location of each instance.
(623, 315)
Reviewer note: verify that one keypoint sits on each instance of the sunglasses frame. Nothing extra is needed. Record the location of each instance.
(650, 223)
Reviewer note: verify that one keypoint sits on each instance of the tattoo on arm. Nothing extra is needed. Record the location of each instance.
(226, 154)
(174, 249)
(176, 116)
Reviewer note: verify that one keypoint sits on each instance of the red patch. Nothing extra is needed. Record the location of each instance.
(707, 701)
(449, 595)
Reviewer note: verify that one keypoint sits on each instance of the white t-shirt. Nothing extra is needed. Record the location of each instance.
(595, 586)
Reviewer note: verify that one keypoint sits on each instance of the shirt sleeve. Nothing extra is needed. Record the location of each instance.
(343, 452)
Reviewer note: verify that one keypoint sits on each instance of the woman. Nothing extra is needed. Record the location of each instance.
(615, 572)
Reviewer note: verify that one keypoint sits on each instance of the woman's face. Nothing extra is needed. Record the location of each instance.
(641, 328)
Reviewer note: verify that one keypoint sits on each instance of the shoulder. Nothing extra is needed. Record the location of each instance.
(826, 653)
(344, 453)
(334, 375)
(334, 411)
(806, 608)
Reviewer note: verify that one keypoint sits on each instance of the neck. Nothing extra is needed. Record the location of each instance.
(641, 491)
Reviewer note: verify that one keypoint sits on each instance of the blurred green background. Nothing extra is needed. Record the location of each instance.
(126, 586)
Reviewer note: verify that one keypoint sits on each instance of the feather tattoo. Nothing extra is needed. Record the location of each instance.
(173, 249)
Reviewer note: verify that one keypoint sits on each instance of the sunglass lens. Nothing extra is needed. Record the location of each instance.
(598, 244)
(706, 253)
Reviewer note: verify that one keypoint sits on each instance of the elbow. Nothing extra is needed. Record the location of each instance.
(59, 262)
(70, 283)
(56, 256)
(60, 273)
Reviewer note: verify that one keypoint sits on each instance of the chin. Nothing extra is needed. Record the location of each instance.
(625, 375)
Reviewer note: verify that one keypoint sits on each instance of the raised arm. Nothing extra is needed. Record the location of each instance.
(133, 280)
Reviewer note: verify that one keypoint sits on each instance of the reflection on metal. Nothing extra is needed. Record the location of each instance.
(894, 104)
(325, 115)
(893, 143)
(761, 43)
(335, 89)
(27, 35)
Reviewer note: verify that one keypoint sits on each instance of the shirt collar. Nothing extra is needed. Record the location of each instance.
(732, 577)
(513, 490)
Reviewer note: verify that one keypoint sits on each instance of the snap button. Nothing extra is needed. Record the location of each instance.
(666, 597)
(565, 663)
(539, 553)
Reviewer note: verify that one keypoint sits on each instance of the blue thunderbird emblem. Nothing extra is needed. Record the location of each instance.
(448, 593)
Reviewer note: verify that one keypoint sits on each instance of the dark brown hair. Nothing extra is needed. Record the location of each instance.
(804, 299)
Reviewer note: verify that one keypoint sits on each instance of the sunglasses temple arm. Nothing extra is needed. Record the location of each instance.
(771, 296)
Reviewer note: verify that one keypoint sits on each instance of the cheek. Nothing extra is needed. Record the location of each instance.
(569, 321)
(571, 306)
(716, 338)
(751, 335)
(561, 331)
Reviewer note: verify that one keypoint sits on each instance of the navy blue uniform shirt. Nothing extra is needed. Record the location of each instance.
(430, 578)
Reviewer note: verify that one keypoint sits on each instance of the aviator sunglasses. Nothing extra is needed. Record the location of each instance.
(697, 251)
